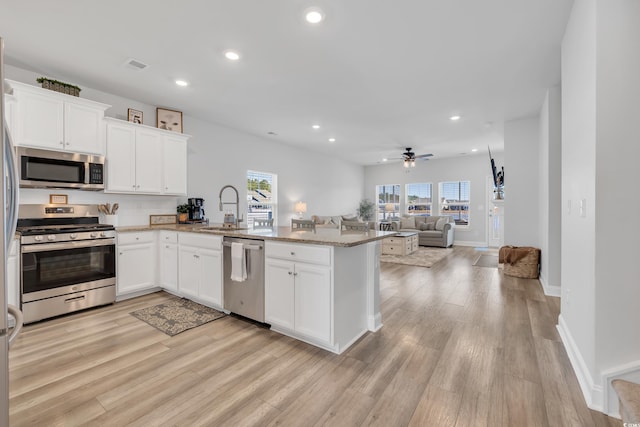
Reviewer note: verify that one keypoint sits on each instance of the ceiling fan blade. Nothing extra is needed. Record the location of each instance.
(422, 156)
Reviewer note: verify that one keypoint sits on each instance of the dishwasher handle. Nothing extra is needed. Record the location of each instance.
(249, 247)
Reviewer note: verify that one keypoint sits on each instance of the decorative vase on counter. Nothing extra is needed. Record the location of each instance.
(111, 220)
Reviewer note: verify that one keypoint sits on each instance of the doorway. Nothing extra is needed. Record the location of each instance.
(495, 224)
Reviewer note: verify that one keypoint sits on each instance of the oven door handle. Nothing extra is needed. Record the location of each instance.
(67, 245)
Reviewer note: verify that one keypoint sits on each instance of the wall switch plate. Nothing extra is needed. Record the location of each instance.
(583, 208)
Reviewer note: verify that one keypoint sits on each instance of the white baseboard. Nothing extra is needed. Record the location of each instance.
(592, 392)
(550, 290)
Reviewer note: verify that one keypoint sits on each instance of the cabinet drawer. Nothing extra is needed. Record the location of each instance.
(168, 237)
(135, 237)
(306, 253)
(201, 241)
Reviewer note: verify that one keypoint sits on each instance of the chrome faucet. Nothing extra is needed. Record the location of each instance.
(237, 203)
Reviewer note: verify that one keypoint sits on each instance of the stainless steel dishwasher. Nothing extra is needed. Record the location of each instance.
(245, 298)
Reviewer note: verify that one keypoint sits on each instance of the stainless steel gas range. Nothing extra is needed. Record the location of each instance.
(68, 260)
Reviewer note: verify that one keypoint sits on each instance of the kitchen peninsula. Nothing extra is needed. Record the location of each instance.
(321, 287)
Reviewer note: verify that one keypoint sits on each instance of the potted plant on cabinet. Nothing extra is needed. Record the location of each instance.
(183, 211)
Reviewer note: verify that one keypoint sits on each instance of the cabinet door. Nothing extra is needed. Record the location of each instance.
(148, 161)
(188, 271)
(136, 268)
(40, 121)
(120, 159)
(210, 283)
(313, 301)
(169, 266)
(279, 293)
(174, 162)
(83, 128)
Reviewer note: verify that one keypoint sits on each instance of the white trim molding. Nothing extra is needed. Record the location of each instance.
(550, 290)
(628, 371)
(467, 243)
(592, 392)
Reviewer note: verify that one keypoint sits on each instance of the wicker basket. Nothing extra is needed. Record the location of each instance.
(60, 87)
(527, 267)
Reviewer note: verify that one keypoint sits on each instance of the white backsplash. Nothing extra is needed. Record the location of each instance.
(133, 209)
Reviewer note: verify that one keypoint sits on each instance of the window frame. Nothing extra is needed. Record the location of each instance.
(408, 204)
(381, 214)
(444, 208)
(273, 200)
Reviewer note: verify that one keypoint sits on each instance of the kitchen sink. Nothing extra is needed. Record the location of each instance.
(220, 228)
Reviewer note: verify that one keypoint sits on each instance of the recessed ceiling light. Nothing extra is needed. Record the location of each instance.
(454, 118)
(182, 83)
(314, 16)
(234, 56)
(384, 160)
(332, 140)
(474, 149)
(316, 126)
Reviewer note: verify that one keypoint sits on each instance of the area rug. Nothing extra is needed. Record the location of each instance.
(487, 261)
(177, 316)
(423, 257)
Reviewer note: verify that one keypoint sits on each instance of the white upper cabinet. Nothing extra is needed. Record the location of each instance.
(52, 120)
(174, 175)
(142, 159)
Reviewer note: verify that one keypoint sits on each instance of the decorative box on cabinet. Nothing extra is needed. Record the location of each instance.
(52, 120)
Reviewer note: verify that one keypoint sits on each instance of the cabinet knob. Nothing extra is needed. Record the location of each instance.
(66, 143)
(134, 186)
(120, 253)
(167, 246)
(61, 142)
(166, 188)
(295, 274)
(293, 253)
(290, 273)
(137, 238)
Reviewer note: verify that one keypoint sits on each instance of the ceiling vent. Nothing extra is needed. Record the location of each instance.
(134, 64)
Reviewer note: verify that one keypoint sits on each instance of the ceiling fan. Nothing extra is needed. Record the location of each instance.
(409, 158)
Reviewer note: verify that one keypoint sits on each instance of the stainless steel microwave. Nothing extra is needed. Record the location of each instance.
(58, 169)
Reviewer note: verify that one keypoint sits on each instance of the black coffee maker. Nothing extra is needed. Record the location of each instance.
(196, 210)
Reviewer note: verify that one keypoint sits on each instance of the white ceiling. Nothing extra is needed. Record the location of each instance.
(378, 75)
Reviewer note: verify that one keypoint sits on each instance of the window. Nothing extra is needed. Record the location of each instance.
(418, 199)
(261, 196)
(388, 201)
(454, 200)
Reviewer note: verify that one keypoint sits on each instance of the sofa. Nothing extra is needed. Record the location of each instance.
(334, 221)
(432, 230)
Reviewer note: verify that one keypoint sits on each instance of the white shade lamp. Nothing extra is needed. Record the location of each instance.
(389, 207)
(301, 208)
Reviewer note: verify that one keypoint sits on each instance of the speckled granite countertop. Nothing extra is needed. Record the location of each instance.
(322, 236)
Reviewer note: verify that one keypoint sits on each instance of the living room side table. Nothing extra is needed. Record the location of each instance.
(400, 244)
(385, 226)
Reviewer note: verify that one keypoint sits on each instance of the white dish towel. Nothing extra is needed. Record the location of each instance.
(238, 262)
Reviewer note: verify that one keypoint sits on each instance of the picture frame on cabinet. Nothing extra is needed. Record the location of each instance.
(169, 119)
(134, 116)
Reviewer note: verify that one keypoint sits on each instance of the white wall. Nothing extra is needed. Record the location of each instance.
(550, 197)
(475, 168)
(578, 182)
(218, 156)
(521, 142)
(617, 150)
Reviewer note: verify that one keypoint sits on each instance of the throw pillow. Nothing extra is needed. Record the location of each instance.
(424, 226)
(408, 223)
(441, 222)
(349, 218)
(431, 225)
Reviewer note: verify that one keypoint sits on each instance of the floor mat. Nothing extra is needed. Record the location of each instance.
(177, 316)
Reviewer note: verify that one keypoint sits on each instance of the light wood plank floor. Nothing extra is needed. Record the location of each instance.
(460, 346)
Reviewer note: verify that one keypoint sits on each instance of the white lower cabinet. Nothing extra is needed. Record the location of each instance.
(298, 294)
(136, 264)
(168, 258)
(200, 268)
